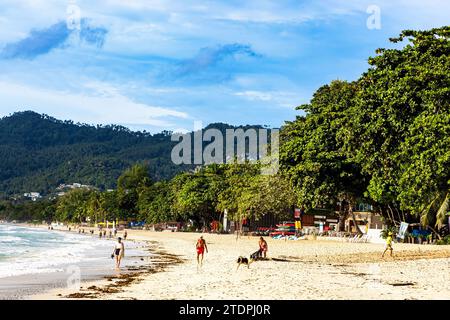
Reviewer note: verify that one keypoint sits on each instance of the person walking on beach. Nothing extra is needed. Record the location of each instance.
(262, 247)
(125, 234)
(388, 244)
(119, 252)
(201, 246)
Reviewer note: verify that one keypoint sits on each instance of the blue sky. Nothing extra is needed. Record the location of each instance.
(161, 65)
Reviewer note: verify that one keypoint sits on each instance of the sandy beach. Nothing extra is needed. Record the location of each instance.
(303, 269)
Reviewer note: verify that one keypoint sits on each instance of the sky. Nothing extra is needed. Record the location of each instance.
(162, 65)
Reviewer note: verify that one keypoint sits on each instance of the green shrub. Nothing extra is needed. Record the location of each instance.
(444, 241)
(384, 233)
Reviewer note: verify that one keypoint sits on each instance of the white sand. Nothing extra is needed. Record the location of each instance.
(315, 270)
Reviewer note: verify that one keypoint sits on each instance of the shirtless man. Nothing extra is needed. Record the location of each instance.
(201, 246)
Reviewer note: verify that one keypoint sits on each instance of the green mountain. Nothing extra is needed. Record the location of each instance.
(38, 153)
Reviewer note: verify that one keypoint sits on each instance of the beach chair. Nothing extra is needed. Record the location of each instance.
(365, 238)
(361, 238)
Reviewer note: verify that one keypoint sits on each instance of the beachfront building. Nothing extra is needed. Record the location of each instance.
(365, 220)
(319, 220)
(32, 195)
(323, 219)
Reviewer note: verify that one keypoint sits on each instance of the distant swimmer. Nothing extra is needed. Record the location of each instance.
(119, 252)
(388, 244)
(201, 247)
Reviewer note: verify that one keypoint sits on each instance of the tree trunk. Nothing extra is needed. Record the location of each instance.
(342, 217)
(350, 209)
(393, 217)
(390, 216)
(434, 231)
(403, 213)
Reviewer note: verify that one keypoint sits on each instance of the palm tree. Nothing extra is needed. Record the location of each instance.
(436, 210)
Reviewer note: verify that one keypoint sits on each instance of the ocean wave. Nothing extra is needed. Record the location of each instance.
(29, 251)
(6, 272)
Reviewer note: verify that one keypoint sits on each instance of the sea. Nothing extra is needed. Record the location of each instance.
(33, 259)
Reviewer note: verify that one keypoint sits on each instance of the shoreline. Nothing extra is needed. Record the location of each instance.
(304, 269)
(140, 259)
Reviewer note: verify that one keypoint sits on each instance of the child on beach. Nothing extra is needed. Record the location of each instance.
(388, 244)
(200, 247)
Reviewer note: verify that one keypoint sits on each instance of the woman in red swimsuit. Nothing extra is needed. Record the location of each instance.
(201, 246)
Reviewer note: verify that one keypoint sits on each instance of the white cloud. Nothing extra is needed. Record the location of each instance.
(276, 98)
(106, 106)
(255, 95)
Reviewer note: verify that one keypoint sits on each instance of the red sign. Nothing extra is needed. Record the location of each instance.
(297, 213)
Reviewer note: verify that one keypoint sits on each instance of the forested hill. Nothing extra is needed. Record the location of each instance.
(38, 153)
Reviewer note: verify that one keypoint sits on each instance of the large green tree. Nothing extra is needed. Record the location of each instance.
(73, 206)
(196, 194)
(155, 203)
(313, 151)
(399, 132)
(267, 194)
(129, 185)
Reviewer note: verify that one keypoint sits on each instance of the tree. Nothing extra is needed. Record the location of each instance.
(196, 196)
(267, 194)
(425, 181)
(155, 203)
(109, 207)
(129, 185)
(236, 178)
(313, 151)
(72, 206)
(399, 133)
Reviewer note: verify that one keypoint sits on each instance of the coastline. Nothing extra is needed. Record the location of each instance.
(304, 269)
(140, 258)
